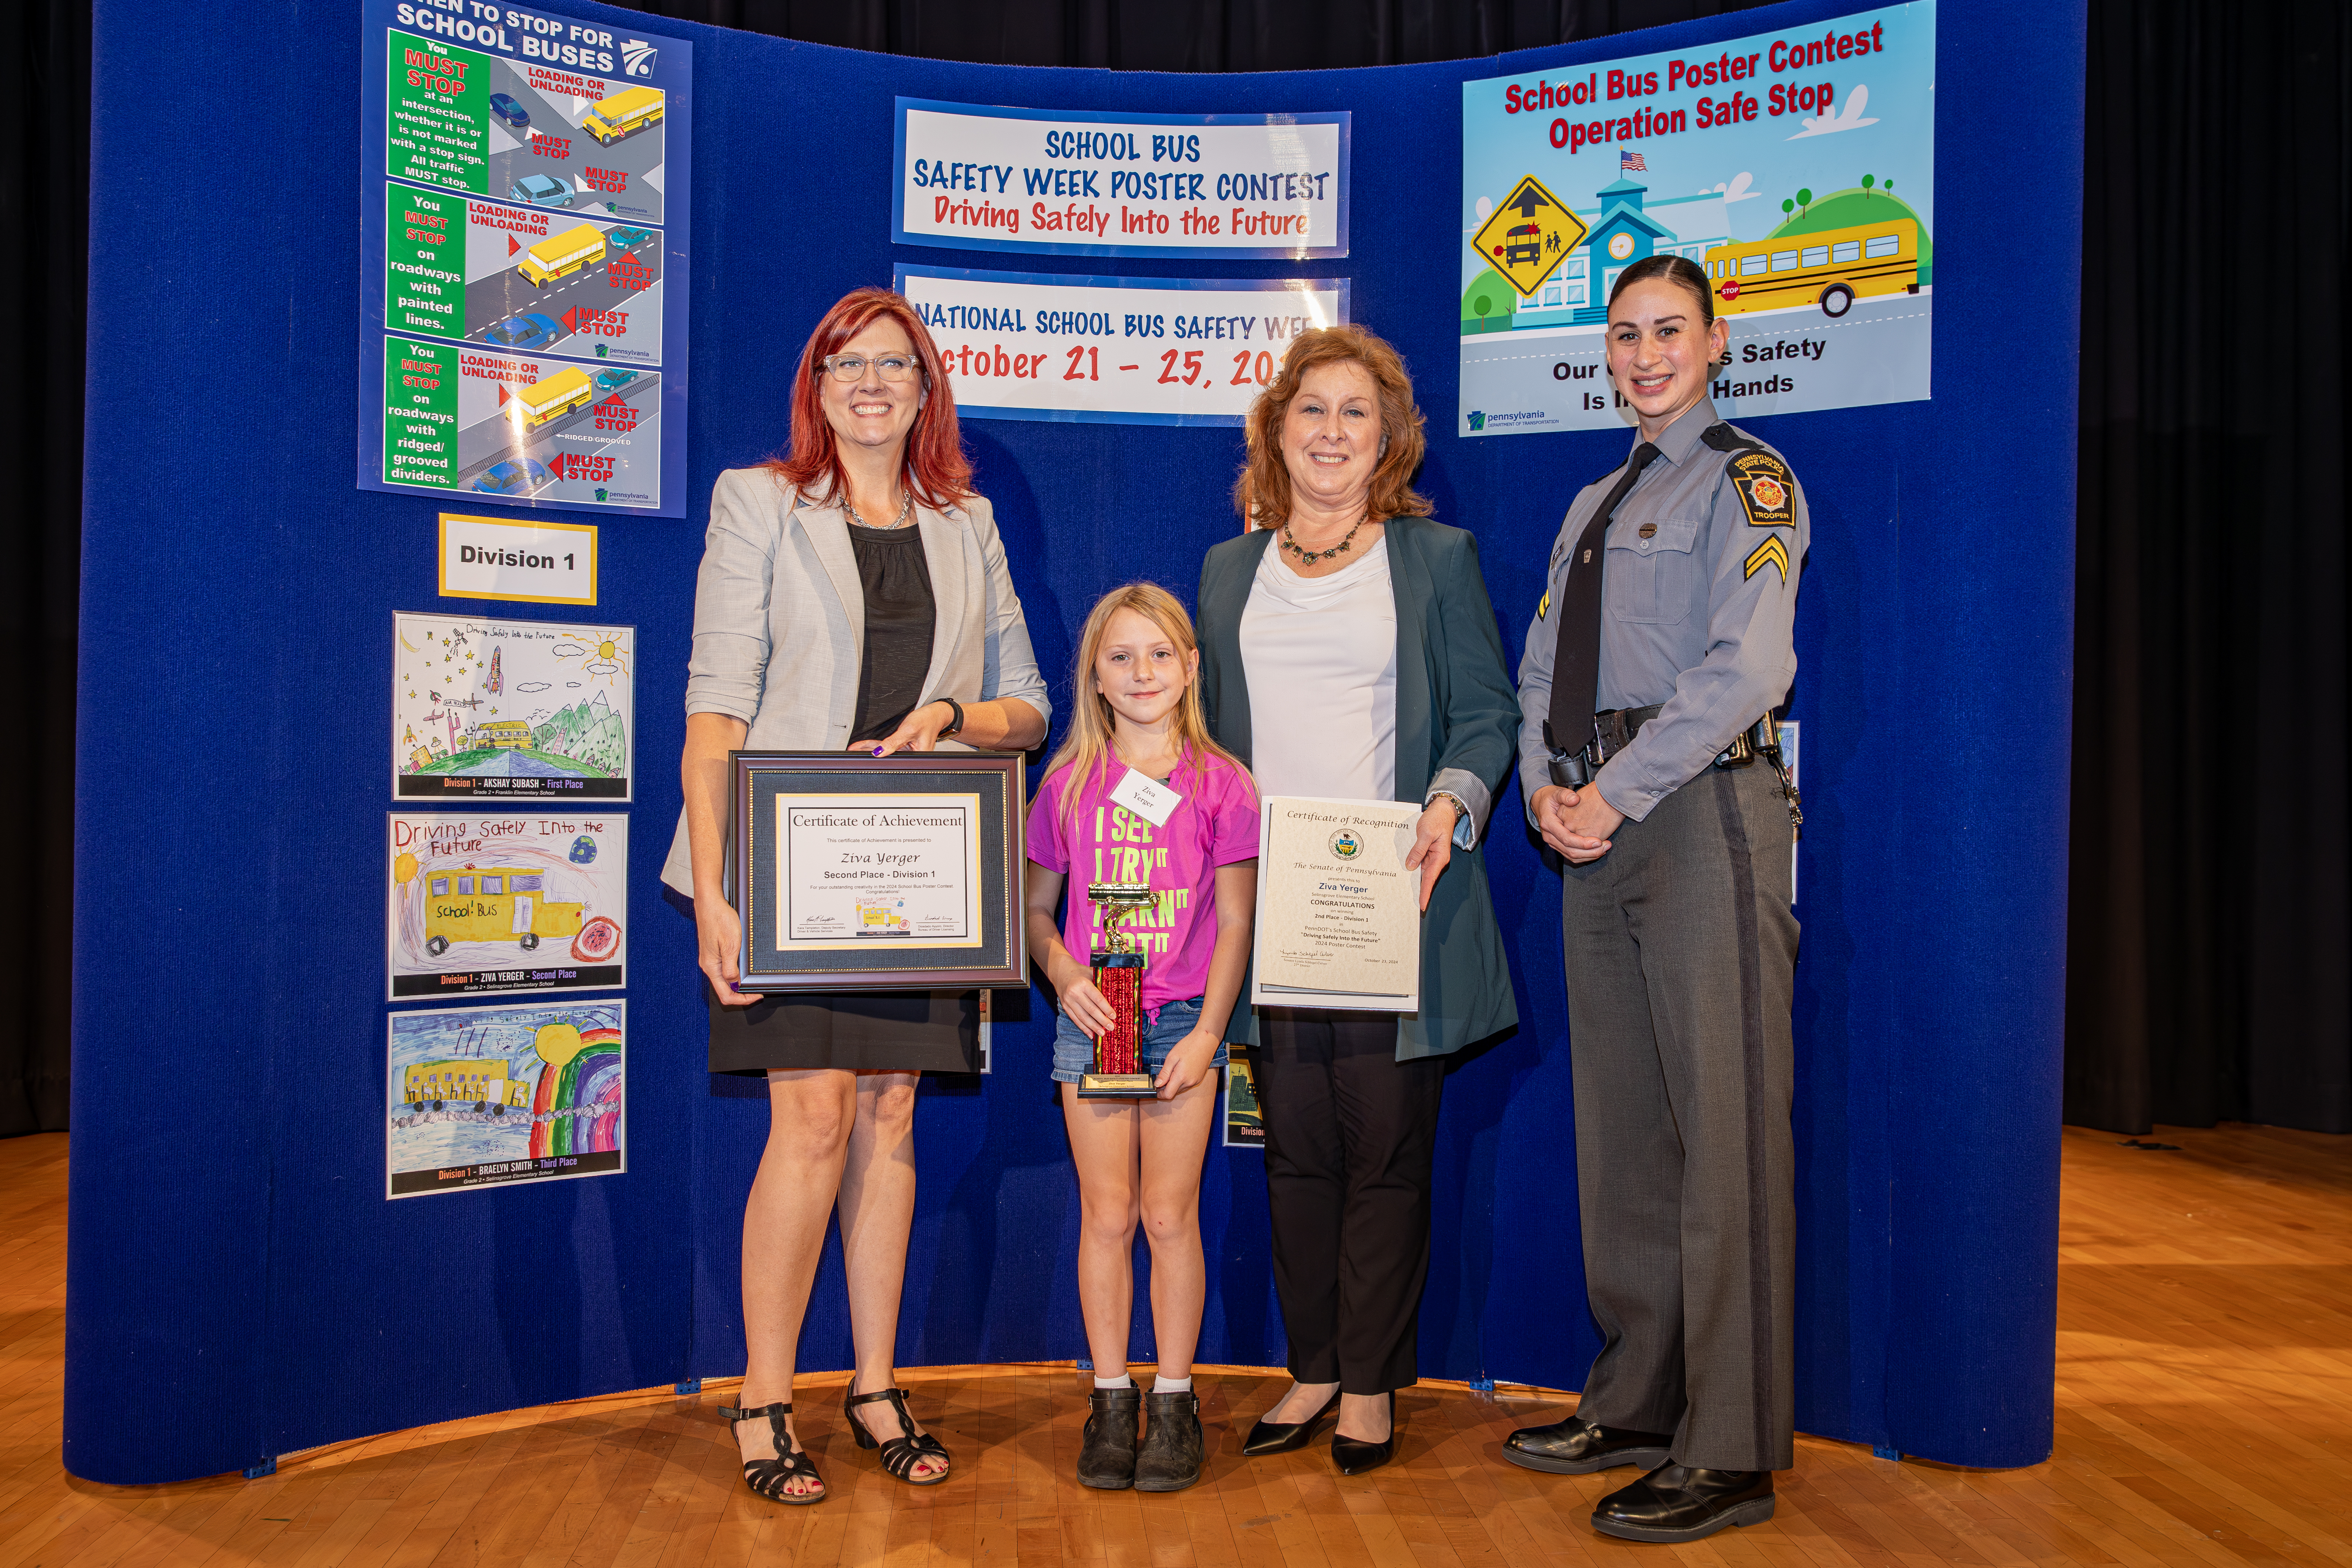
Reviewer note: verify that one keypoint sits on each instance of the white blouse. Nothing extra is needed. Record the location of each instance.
(1320, 654)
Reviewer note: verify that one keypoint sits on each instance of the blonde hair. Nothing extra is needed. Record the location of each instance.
(1086, 751)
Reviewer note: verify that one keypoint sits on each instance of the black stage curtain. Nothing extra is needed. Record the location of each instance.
(2209, 938)
(44, 186)
(2211, 877)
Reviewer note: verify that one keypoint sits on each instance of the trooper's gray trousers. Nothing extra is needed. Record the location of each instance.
(1681, 951)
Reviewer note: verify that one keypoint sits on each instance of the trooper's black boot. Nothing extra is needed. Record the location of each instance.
(1577, 1448)
(1171, 1459)
(1677, 1502)
(1107, 1453)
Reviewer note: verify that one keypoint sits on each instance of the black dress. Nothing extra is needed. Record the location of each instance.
(894, 1031)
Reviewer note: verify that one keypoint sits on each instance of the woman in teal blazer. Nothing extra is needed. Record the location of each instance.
(1347, 649)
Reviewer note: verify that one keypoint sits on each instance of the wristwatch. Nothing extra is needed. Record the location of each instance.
(956, 708)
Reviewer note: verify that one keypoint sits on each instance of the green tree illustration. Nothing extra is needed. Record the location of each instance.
(1788, 207)
(1805, 199)
(1867, 181)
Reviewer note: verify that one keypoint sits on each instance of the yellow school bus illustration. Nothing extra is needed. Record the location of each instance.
(624, 113)
(559, 394)
(1830, 268)
(493, 903)
(582, 245)
(477, 1080)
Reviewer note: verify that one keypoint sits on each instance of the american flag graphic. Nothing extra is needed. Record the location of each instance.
(1632, 162)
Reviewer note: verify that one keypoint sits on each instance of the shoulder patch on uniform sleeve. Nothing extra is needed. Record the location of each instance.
(1543, 609)
(1772, 552)
(1767, 493)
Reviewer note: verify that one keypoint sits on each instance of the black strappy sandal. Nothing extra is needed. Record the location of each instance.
(768, 1477)
(900, 1455)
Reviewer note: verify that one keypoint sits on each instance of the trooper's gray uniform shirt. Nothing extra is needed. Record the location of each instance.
(1680, 952)
(1686, 619)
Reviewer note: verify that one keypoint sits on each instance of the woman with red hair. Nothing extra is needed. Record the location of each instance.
(852, 594)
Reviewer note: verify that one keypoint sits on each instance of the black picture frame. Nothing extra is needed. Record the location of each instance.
(1000, 959)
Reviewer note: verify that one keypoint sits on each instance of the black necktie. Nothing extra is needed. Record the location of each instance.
(1576, 660)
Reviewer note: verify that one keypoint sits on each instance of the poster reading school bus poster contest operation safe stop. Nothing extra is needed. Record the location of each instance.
(523, 195)
(1795, 168)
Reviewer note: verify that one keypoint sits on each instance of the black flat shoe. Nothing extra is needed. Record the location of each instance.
(1171, 1458)
(1354, 1456)
(1577, 1448)
(1282, 1436)
(1107, 1452)
(1676, 1502)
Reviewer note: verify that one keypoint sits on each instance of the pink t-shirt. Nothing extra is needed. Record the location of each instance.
(1214, 825)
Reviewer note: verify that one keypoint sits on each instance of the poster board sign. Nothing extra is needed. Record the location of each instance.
(511, 710)
(1795, 168)
(1239, 187)
(524, 193)
(1115, 351)
(479, 904)
(485, 1097)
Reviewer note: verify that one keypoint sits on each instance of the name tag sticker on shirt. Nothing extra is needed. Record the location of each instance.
(1155, 803)
(1766, 490)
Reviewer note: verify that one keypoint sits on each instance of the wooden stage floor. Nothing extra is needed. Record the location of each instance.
(2204, 1417)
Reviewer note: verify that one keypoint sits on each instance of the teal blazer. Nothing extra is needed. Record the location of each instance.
(1457, 716)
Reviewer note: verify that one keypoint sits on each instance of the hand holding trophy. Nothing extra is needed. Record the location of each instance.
(1117, 975)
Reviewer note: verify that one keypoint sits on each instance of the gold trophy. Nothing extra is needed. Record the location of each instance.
(1119, 975)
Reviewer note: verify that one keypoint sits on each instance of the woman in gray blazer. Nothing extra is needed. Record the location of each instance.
(852, 594)
(1347, 649)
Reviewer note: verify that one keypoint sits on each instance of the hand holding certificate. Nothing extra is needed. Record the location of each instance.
(1338, 911)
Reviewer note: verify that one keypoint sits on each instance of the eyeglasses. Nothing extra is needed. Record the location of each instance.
(852, 367)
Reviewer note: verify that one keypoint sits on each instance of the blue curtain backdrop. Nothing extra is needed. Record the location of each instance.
(240, 1288)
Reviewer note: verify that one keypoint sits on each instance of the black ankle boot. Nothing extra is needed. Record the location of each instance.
(1107, 1453)
(1172, 1445)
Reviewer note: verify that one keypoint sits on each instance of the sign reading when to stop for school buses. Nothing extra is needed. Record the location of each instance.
(525, 190)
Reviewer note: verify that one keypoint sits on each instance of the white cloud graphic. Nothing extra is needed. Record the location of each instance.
(1848, 118)
(1737, 191)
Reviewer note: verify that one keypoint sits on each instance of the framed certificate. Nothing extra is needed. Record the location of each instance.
(855, 873)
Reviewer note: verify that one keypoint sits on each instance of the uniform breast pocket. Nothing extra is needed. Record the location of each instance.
(1654, 577)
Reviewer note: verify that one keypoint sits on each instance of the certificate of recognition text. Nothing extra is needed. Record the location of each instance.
(1339, 914)
(863, 870)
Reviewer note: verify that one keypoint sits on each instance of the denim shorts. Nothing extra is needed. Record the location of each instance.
(1074, 1053)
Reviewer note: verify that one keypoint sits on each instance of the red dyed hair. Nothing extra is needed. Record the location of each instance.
(936, 472)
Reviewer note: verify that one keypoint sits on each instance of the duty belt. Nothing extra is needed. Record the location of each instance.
(1614, 730)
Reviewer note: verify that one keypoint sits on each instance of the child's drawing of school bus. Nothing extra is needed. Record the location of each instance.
(1830, 268)
(493, 903)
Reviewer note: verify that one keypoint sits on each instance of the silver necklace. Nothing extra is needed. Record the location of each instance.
(1309, 557)
(905, 507)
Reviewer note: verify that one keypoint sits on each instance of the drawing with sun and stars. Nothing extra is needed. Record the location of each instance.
(485, 709)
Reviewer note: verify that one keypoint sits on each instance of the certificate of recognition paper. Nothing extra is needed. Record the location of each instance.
(1339, 914)
(858, 870)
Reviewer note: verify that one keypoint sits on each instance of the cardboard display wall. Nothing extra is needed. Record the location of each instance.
(240, 1287)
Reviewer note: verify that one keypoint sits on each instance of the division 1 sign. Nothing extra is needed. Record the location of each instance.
(524, 180)
(1115, 351)
(1796, 169)
(1231, 185)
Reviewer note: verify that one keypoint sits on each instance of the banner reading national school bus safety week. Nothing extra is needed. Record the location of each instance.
(1796, 169)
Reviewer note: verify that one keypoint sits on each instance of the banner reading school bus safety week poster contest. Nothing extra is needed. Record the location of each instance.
(523, 193)
(1796, 169)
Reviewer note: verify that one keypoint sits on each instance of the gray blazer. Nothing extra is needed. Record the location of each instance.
(780, 621)
(1457, 719)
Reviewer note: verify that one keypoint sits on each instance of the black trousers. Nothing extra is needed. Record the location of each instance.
(1350, 1132)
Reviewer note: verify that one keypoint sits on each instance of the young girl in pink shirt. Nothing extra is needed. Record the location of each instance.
(1193, 838)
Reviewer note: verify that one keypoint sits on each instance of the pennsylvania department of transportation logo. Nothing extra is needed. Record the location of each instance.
(638, 57)
(1478, 419)
(1346, 845)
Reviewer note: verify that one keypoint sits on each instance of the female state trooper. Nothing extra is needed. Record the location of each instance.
(1668, 609)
